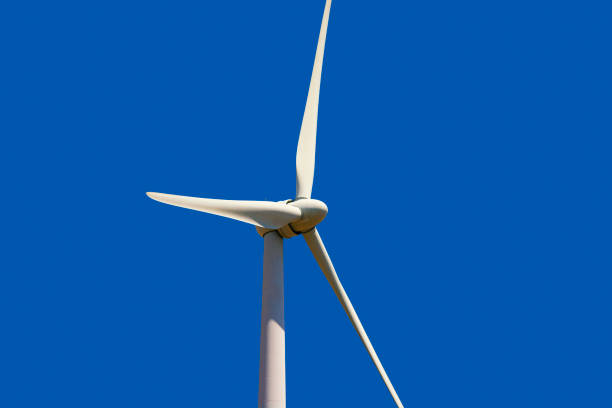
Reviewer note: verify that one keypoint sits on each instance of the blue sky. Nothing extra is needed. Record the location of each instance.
(463, 152)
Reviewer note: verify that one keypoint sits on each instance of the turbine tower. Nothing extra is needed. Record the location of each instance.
(276, 221)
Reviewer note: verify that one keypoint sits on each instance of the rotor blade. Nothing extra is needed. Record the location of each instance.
(305, 158)
(318, 250)
(264, 214)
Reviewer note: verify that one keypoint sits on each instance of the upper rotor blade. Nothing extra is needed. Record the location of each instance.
(305, 158)
(318, 249)
(264, 214)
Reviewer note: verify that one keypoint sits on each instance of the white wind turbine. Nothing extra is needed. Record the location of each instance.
(275, 221)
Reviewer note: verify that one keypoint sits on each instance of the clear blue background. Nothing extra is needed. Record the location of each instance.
(463, 152)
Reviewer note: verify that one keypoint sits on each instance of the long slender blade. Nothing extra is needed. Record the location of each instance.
(313, 239)
(264, 214)
(305, 158)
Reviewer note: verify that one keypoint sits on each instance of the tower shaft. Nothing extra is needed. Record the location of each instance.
(272, 347)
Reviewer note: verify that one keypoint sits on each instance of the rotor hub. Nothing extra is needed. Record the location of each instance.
(313, 212)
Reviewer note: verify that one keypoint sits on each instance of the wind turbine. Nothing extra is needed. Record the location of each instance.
(275, 221)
